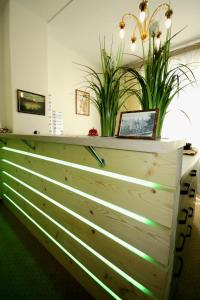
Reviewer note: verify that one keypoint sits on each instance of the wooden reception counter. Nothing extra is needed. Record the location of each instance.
(106, 208)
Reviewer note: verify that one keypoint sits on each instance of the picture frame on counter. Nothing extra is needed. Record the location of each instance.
(30, 103)
(82, 102)
(140, 124)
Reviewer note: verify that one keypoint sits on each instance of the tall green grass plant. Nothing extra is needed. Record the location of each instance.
(108, 88)
(159, 83)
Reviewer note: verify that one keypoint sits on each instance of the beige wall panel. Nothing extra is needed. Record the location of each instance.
(154, 167)
(116, 282)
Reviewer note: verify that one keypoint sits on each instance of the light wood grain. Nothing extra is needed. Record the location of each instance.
(122, 257)
(133, 197)
(154, 241)
(85, 280)
(111, 278)
(153, 167)
(156, 162)
(157, 146)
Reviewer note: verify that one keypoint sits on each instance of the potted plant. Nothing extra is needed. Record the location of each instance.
(159, 83)
(108, 90)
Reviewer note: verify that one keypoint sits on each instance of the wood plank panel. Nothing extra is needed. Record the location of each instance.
(116, 282)
(133, 197)
(85, 280)
(150, 271)
(152, 275)
(159, 168)
(152, 203)
(151, 240)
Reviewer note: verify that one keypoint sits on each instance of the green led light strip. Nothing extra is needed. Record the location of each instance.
(93, 170)
(66, 252)
(88, 196)
(98, 228)
(90, 249)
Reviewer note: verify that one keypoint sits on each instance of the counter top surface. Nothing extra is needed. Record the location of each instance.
(189, 162)
(157, 146)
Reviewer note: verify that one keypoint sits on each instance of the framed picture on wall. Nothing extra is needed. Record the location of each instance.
(82, 103)
(30, 103)
(138, 124)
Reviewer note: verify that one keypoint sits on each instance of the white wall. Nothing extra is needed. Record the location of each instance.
(28, 42)
(1, 64)
(6, 113)
(34, 62)
(182, 119)
(64, 76)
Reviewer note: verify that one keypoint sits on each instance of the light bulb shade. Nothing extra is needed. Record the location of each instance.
(154, 28)
(121, 33)
(142, 16)
(168, 23)
(157, 42)
(133, 46)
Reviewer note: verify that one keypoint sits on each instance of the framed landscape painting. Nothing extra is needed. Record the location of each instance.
(30, 103)
(138, 124)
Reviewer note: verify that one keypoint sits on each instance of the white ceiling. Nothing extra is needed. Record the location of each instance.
(44, 8)
(80, 24)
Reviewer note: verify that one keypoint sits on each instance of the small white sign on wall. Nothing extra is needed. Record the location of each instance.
(56, 120)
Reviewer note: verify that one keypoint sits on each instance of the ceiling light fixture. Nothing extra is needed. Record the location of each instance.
(143, 23)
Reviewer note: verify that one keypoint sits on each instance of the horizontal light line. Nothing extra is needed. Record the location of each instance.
(66, 252)
(90, 249)
(98, 228)
(90, 197)
(93, 170)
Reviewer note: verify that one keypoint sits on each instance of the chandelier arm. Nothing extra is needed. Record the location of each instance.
(135, 19)
(160, 7)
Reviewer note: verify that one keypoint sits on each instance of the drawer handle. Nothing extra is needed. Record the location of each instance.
(193, 173)
(190, 215)
(185, 219)
(190, 231)
(178, 273)
(192, 195)
(185, 189)
(179, 249)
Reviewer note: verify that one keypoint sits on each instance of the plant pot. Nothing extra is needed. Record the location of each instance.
(107, 125)
(160, 122)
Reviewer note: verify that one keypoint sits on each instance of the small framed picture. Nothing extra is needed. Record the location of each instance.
(30, 103)
(138, 124)
(82, 103)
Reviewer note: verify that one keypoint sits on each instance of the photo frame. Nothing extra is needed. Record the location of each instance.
(82, 103)
(140, 124)
(30, 103)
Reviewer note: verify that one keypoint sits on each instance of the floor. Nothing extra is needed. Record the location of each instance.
(27, 270)
(188, 287)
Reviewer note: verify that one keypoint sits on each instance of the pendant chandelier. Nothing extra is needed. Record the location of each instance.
(143, 23)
